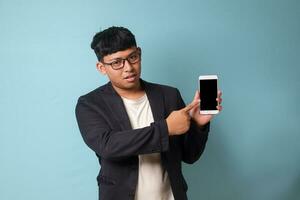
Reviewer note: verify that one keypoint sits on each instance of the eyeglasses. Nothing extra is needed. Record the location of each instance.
(133, 58)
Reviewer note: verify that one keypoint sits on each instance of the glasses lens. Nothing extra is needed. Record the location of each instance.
(117, 64)
(135, 57)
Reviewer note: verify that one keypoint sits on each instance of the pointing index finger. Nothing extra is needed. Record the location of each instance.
(190, 106)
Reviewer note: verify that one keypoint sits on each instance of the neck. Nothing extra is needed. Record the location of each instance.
(132, 93)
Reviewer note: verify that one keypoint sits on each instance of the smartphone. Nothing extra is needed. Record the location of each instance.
(208, 86)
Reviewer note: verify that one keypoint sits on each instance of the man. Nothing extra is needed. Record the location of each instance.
(140, 131)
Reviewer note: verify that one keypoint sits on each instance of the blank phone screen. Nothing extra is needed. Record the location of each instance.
(208, 94)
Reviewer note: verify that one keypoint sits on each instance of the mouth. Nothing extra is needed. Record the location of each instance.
(130, 78)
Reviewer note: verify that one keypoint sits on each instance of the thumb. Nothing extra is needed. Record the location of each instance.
(197, 95)
(192, 105)
(196, 99)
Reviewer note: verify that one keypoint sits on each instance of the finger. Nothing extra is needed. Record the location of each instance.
(219, 93)
(191, 106)
(220, 108)
(219, 100)
(194, 110)
(196, 97)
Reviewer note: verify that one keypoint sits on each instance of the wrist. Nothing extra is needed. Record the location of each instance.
(170, 132)
(168, 126)
(200, 125)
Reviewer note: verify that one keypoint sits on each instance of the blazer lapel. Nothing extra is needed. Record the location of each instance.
(116, 106)
(156, 100)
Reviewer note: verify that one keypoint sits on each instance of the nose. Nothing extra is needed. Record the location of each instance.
(127, 66)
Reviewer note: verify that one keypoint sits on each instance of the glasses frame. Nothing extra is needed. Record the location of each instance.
(138, 51)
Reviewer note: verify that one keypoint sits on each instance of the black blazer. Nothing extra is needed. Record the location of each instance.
(106, 129)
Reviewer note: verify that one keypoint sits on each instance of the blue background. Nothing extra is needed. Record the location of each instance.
(46, 64)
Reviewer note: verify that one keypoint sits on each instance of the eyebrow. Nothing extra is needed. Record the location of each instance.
(119, 58)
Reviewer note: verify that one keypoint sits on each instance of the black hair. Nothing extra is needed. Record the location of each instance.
(111, 40)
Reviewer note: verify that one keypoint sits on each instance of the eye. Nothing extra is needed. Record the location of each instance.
(116, 63)
(134, 57)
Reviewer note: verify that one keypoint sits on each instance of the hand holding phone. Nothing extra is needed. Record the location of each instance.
(208, 86)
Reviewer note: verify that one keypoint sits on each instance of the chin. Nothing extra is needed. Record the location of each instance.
(131, 85)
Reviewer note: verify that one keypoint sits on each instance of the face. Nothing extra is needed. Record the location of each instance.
(126, 78)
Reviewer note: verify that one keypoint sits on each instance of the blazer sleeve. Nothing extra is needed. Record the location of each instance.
(194, 140)
(113, 144)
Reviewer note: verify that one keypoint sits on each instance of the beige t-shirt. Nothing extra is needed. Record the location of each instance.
(153, 181)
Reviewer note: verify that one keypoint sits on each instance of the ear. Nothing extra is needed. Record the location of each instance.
(101, 68)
